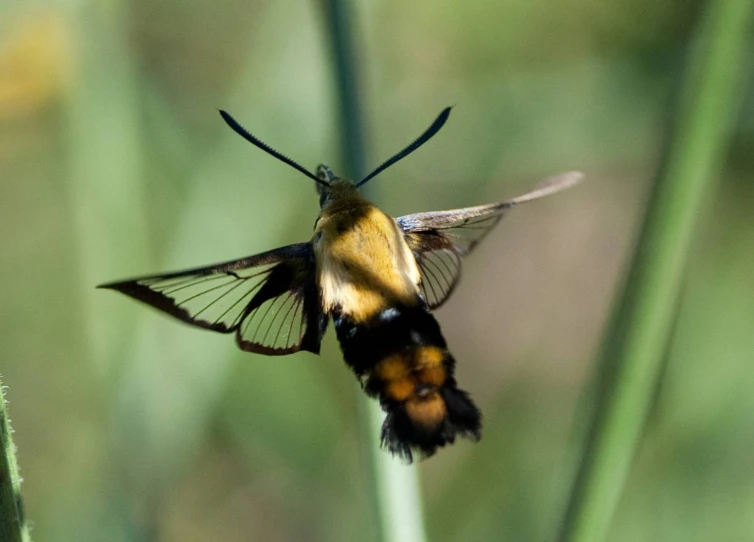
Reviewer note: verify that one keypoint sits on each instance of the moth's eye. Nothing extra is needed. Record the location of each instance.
(322, 198)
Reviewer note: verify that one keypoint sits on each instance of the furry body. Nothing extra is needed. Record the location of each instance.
(369, 283)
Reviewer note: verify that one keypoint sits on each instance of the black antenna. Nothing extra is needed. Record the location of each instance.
(266, 148)
(421, 140)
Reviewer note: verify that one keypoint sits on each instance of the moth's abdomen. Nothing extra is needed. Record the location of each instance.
(401, 358)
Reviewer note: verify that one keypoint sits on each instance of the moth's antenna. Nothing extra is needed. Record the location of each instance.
(266, 148)
(421, 140)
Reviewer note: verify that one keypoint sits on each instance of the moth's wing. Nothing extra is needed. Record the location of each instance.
(270, 300)
(440, 239)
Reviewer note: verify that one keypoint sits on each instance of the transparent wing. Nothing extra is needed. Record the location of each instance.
(272, 289)
(439, 239)
(440, 266)
(285, 314)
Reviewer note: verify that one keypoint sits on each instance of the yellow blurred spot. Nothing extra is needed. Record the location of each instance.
(35, 63)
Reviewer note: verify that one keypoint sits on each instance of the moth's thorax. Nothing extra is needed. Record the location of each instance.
(364, 265)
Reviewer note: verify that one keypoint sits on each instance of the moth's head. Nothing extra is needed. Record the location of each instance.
(330, 186)
(325, 174)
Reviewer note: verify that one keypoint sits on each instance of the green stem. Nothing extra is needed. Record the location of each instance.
(347, 80)
(396, 497)
(13, 527)
(108, 206)
(634, 350)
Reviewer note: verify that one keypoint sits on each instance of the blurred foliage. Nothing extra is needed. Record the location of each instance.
(114, 163)
(635, 349)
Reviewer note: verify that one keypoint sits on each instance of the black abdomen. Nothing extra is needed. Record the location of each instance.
(401, 357)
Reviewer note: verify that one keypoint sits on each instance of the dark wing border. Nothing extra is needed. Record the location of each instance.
(290, 270)
(131, 287)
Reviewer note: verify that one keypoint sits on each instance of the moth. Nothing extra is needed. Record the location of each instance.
(377, 277)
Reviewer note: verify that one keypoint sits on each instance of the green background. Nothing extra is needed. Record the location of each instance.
(114, 163)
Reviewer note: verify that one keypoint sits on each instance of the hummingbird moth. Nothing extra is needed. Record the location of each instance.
(377, 277)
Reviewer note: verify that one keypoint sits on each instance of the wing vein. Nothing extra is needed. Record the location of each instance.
(247, 294)
(277, 335)
(431, 286)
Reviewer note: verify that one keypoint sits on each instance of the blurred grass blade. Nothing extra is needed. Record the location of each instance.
(635, 347)
(347, 80)
(108, 206)
(396, 497)
(13, 526)
(106, 169)
(399, 492)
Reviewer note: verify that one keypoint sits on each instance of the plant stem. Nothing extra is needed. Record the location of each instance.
(396, 497)
(108, 203)
(347, 80)
(13, 526)
(634, 350)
